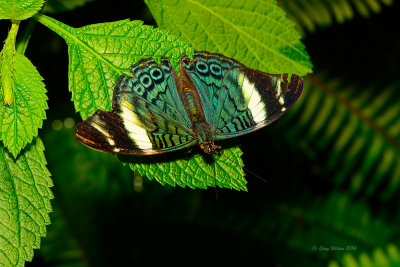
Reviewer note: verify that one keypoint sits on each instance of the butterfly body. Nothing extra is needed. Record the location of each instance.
(215, 98)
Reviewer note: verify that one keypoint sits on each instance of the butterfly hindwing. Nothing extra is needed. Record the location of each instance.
(147, 118)
(158, 84)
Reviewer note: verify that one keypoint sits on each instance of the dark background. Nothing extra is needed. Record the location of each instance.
(99, 218)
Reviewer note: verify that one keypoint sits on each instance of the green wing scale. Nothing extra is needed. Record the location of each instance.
(215, 98)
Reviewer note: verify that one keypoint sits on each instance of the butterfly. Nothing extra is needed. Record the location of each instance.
(215, 98)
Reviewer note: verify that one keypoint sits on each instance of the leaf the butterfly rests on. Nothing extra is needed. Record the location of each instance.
(215, 98)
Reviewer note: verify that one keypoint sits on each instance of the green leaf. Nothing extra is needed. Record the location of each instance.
(224, 170)
(20, 122)
(24, 203)
(19, 9)
(254, 32)
(99, 54)
(56, 6)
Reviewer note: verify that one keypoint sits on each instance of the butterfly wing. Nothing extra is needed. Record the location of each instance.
(236, 99)
(206, 72)
(147, 118)
(257, 100)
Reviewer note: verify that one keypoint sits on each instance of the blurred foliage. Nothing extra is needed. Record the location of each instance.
(387, 257)
(56, 6)
(331, 164)
(359, 127)
(312, 14)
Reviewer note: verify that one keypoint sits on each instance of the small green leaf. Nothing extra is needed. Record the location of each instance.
(197, 171)
(20, 122)
(254, 32)
(56, 6)
(19, 9)
(24, 203)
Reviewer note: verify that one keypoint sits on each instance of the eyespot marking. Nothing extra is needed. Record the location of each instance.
(201, 67)
(145, 80)
(156, 74)
(215, 69)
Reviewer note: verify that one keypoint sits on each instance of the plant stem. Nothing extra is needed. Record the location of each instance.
(7, 64)
(23, 40)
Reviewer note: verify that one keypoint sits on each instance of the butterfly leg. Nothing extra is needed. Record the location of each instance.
(188, 151)
(209, 147)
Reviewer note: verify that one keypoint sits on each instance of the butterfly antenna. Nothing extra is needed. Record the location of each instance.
(247, 170)
(215, 183)
(216, 193)
(255, 175)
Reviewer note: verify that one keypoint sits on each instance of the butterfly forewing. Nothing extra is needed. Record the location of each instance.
(104, 131)
(147, 114)
(258, 100)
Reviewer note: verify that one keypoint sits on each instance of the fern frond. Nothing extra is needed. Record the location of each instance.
(83, 190)
(312, 14)
(61, 246)
(307, 223)
(286, 225)
(387, 257)
(353, 131)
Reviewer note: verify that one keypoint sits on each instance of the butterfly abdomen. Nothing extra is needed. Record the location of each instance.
(195, 109)
(200, 126)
